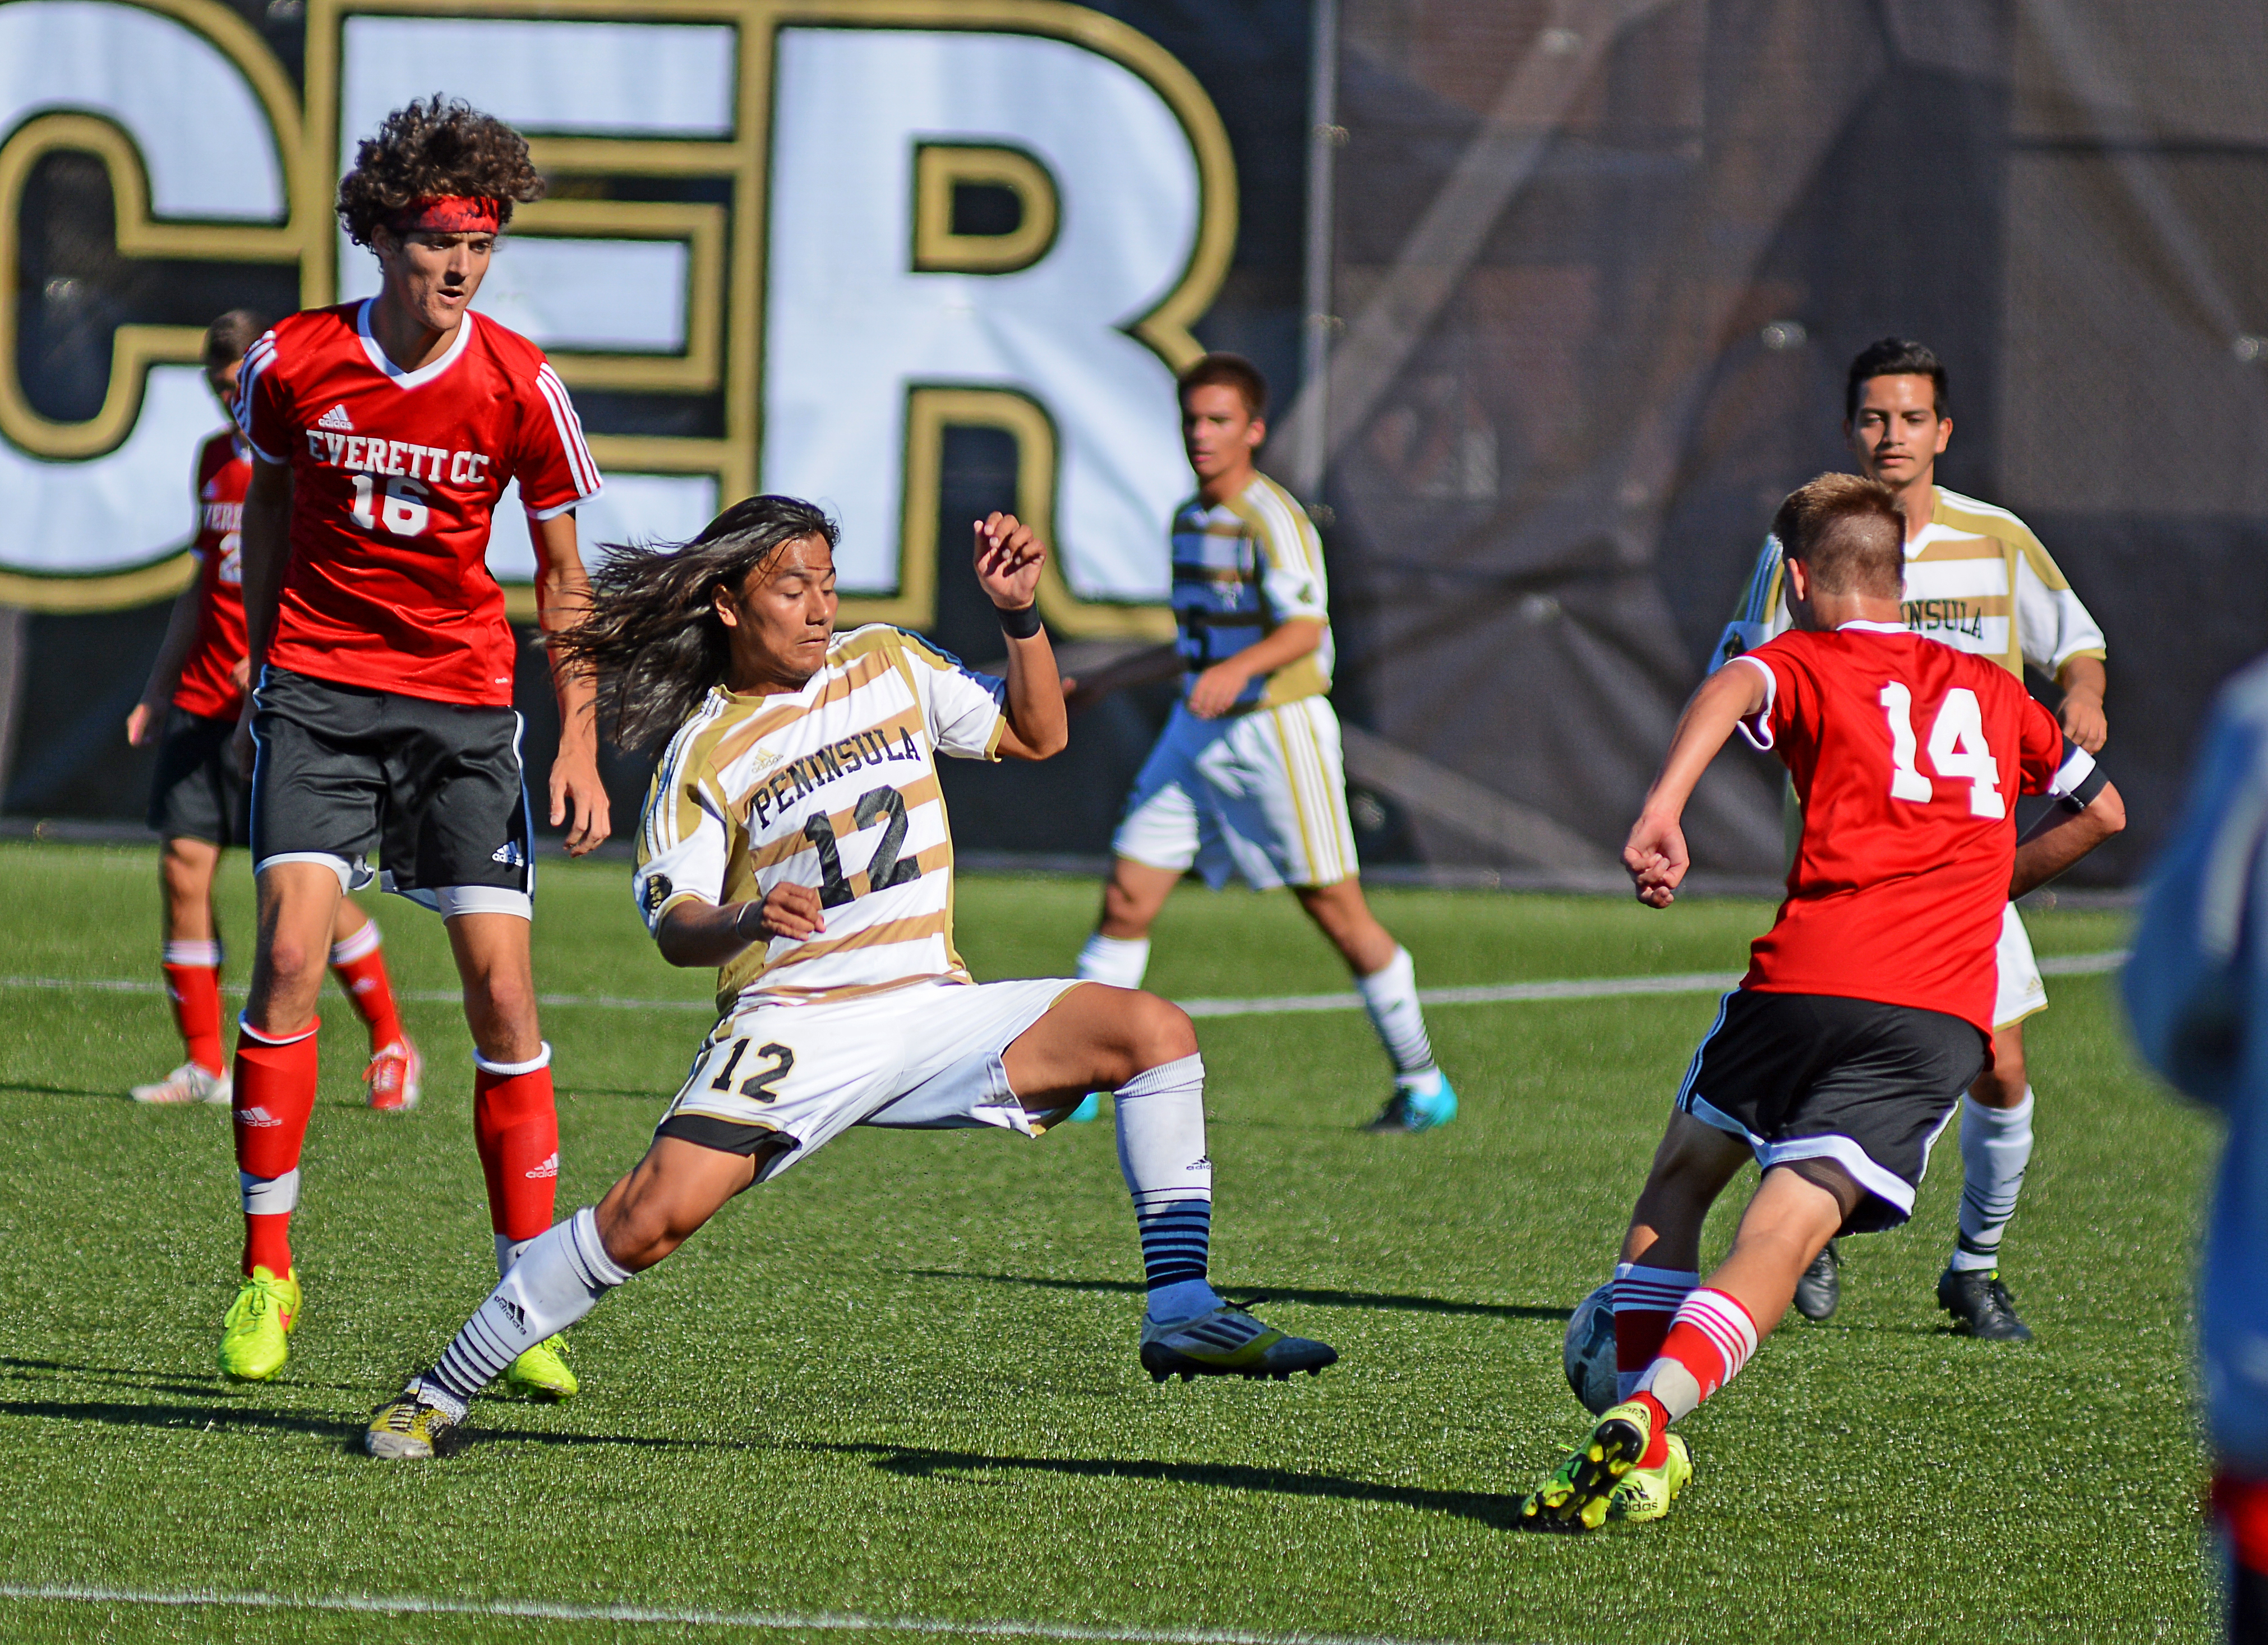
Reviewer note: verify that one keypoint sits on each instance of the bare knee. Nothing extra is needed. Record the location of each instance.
(2004, 1081)
(1161, 1034)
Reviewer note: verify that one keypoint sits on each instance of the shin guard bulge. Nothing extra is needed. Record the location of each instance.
(516, 1128)
(193, 987)
(275, 1094)
(1161, 1151)
(359, 963)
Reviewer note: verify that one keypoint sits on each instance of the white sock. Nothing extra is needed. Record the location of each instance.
(1161, 1150)
(1119, 961)
(1996, 1146)
(269, 1196)
(510, 1251)
(1390, 996)
(194, 952)
(559, 1278)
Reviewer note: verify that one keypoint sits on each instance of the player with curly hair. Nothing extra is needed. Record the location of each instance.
(382, 434)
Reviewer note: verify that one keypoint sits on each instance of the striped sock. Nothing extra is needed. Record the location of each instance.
(1389, 997)
(1645, 1300)
(1161, 1150)
(1996, 1148)
(1710, 1339)
(559, 1278)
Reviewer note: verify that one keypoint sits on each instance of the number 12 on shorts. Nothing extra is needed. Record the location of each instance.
(762, 1085)
(1956, 748)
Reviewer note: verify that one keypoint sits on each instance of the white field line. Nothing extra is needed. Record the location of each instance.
(1494, 994)
(769, 1621)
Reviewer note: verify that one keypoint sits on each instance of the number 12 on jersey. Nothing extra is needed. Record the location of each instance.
(1956, 748)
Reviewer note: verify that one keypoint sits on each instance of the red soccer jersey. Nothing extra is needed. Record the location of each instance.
(206, 686)
(396, 475)
(1908, 756)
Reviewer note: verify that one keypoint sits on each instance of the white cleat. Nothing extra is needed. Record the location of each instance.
(393, 1077)
(188, 1084)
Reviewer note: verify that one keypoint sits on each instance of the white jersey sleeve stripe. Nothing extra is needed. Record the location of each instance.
(257, 359)
(570, 427)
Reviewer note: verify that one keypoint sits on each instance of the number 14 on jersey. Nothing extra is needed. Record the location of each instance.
(1957, 749)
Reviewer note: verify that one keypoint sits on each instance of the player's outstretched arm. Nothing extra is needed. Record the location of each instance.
(563, 595)
(1008, 562)
(1655, 852)
(706, 934)
(165, 670)
(2063, 837)
(265, 550)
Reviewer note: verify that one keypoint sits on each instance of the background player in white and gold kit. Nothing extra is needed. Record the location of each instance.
(1978, 580)
(794, 837)
(1247, 777)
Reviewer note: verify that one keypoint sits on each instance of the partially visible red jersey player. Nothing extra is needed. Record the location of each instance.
(199, 801)
(1868, 1008)
(382, 434)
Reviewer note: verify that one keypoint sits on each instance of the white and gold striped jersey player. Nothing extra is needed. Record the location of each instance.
(873, 1020)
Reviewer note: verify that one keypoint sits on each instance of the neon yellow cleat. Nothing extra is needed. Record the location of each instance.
(1577, 1495)
(1645, 1494)
(408, 1427)
(541, 1373)
(253, 1337)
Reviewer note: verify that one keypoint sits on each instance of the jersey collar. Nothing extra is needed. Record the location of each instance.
(423, 374)
(1868, 626)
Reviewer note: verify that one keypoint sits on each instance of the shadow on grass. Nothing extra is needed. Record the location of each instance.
(912, 1462)
(180, 1382)
(346, 1435)
(1274, 1293)
(22, 1088)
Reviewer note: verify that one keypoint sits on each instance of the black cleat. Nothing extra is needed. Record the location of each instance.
(1980, 1305)
(1819, 1288)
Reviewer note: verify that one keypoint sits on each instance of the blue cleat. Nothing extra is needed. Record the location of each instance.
(1412, 1108)
(1089, 1109)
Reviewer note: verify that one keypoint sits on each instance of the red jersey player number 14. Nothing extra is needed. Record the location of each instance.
(1906, 754)
(395, 474)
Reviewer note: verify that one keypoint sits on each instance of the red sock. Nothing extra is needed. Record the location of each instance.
(359, 963)
(2242, 1505)
(516, 1127)
(1710, 1339)
(275, 1094)
(1645, 1299)
(194, 990)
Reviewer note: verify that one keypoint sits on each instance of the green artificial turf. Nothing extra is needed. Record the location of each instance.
(900, 1382)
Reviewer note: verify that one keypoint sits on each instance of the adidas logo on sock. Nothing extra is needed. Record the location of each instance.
(258, 1118)
(518, 1314)
(336, 418)
(549, 1168)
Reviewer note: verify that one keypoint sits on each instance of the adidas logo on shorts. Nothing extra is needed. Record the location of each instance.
(508, 853)
(336, 418)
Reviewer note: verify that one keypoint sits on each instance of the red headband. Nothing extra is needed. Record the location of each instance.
(452, 214)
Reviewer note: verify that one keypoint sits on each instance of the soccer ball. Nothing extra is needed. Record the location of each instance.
(1589, 1354)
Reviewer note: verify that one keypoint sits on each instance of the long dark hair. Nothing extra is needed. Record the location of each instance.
(650, 635)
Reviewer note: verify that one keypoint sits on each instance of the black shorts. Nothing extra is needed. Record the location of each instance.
(200, 792)
(1818, 1076)
(433, 789)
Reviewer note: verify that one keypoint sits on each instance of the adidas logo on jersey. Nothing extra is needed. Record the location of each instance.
(508, 853)
(336, 418)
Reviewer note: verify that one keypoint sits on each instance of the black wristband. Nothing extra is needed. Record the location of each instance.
(1020, 624)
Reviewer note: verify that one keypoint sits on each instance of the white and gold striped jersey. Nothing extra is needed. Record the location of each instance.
(1976, 578)
(1242, 568)
(833, 786)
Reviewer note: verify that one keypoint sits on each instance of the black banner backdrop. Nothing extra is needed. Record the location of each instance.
(1595, 270)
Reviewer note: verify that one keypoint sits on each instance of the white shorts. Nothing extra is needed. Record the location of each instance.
(923, 1057)
(1262, 794)
(2021, 992)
